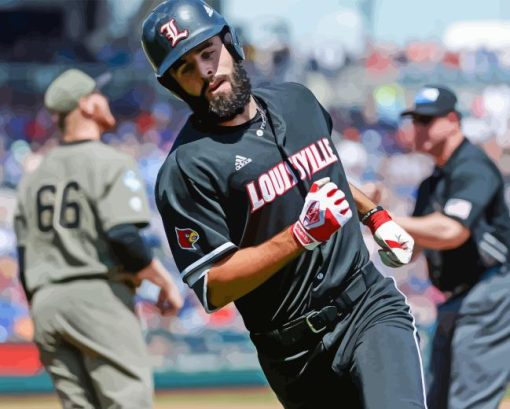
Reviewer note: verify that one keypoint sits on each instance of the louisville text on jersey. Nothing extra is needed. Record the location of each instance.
(280, 179)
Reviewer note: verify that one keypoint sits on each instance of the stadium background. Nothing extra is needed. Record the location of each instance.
(363, 79)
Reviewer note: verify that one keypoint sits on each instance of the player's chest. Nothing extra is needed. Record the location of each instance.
(260, 171)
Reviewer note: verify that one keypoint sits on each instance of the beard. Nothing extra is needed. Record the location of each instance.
(225, 107)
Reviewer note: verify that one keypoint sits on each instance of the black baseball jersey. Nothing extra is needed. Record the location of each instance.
(79, 192)
(226, 188)
(469, 189)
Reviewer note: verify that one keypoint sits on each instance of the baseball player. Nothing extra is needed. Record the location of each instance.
(258, 211)
(81, 256)
(462, 221)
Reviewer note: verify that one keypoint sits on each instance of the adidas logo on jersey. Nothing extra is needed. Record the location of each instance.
(241, 161)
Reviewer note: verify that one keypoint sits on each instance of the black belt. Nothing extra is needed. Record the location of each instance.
(317, 321)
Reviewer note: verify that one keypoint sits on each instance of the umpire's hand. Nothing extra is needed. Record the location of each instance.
(170, 300)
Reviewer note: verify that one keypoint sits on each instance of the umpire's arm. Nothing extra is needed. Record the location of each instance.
(435, 231)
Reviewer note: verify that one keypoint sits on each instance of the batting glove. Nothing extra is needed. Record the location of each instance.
(325, 211)
(397, 245)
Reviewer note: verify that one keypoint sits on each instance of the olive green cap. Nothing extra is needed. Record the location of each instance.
(65, 91)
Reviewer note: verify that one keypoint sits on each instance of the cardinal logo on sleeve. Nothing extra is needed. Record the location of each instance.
(186, 238)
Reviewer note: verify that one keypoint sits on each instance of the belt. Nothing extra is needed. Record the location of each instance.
(317, 321)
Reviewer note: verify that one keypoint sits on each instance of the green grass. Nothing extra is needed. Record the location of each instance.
(243, 395)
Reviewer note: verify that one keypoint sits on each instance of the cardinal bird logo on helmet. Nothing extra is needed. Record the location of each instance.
(186, 238)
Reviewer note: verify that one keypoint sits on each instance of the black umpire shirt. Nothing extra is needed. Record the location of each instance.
(225, 188)
(469, 189)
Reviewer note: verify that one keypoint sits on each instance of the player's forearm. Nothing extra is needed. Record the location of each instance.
(434, 231)
(363, 202)
(248, 268)
(154, 272)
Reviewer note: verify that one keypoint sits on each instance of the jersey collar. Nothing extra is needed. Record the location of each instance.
(276, 123)
(453, 158)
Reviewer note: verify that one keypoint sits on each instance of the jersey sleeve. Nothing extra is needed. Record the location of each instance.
(122, 198)
(195, 224)
(327, 117)
(470, 188)
(307, 93)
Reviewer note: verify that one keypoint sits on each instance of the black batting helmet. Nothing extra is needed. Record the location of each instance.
(176, 26)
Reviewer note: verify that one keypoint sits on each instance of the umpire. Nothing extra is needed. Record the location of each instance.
(462, 222)
(81, 256)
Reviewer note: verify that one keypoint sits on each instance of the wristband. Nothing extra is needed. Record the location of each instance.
(370, 213)
(303, 237)
(375, 218)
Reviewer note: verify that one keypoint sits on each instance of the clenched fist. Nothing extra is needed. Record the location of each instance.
(397, 245)
(325, 211)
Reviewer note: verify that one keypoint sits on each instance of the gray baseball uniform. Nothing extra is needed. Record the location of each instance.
(86, 329)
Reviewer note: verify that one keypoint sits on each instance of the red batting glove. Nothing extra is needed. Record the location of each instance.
(397, 245)
(325, 211)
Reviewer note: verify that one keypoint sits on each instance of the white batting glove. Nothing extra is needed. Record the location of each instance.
(325, 211)
(396, 244)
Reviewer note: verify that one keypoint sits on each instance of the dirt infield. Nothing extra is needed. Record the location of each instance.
(259, 398)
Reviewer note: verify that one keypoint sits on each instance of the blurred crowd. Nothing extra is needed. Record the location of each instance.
(364, 96)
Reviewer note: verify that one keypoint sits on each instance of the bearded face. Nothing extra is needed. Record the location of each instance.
(208, 78)
(221, 98)
(226, 105)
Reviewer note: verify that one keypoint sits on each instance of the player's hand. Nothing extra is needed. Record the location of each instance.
(325, 211)
(373, 191)
(170, 300)
(396, 244)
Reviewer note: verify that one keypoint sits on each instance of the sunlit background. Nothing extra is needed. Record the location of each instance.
(364, 60)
